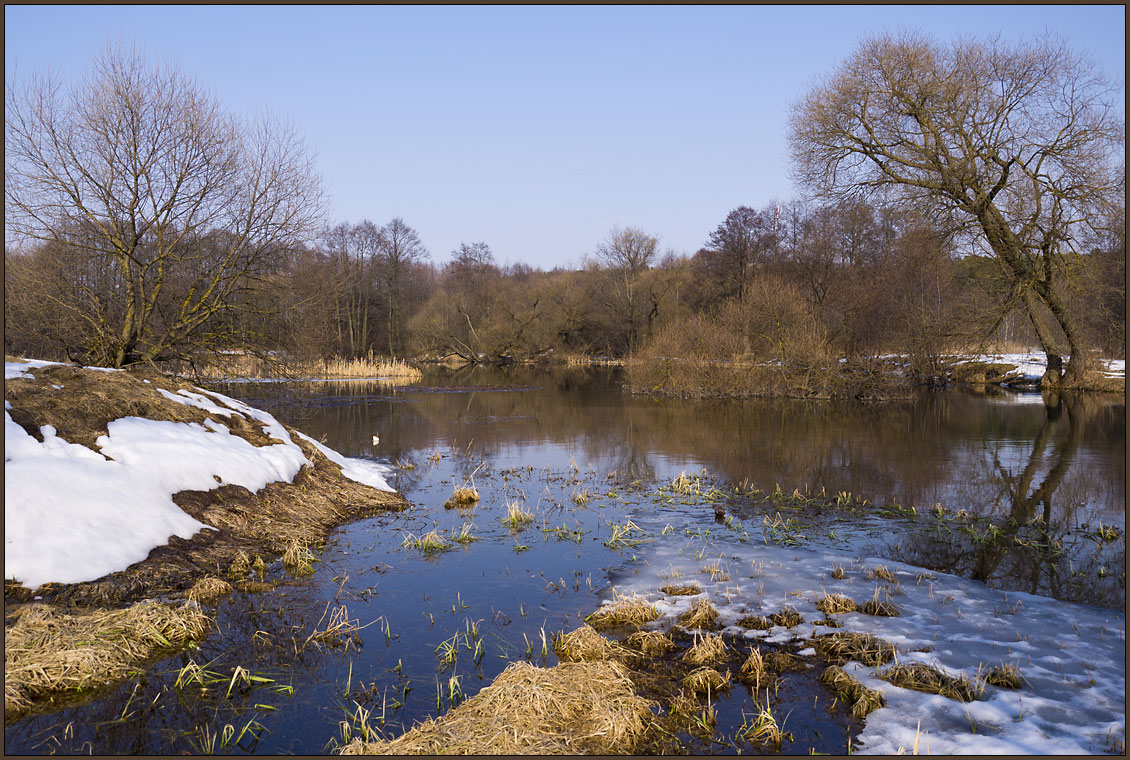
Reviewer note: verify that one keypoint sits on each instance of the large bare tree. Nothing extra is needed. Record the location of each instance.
(1018, 145)
(628, 253)
(138, 171)
(399, 248)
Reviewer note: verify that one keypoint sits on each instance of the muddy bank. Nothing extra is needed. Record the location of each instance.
(250, 529)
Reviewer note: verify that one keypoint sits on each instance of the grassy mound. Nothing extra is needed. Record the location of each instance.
(47, 651)
(922, 677)
(267, 523)
(842, 646)
(862, 699)
(571, 709)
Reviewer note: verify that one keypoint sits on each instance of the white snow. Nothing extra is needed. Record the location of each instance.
(72, 514)
(1031, 365)
(20, 369)
(360, 470)
(1071, 656)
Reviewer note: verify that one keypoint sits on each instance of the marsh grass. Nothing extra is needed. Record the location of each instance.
(702, 614)
(516, 517)
(834, 604)
(651, 643)
(339, 630)
(849, 690)
(781, 662)
(838, 572)
(633, 610)
(842, 646)
(209, 589)
(574, 708)
(879, 607)
(787, 617)
(462, 497)
(706, 650)
(428, 543)
(922, 677)
(706, 680)
(1006, 676)
(753, 670)
(47, 651)
(879, 571)
(298, 559)
(755, 622)
(586, 645)
(689, 589)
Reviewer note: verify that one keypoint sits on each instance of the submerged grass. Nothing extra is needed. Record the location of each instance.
(47, 651)
(573, 708)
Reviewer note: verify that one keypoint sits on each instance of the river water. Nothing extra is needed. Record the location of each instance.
(995, 492)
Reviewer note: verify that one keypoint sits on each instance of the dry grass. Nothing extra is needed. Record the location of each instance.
(880, 607)
(209, 589)
(702, 614)
(580, 708)
(849, 645)
(586, 645)
(753, 670)
(651, 643)
(298, 559)
(922, 677)
(839, 573)
(834, 604)
(880, 572)
(862, 699)
(463, 497)
(47, 651)
(1006, 676)
(633, 610)
(781, 662)
(755, 622)
(787, 617)
(370, 366)
(716, 572)
(706, 680)
(688, 590)
(338, 631)
(707, 650)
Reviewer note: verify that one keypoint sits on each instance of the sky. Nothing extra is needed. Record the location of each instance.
(534, 129)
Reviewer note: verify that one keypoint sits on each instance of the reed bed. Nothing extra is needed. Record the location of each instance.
(574, 708)
(47, 651)
(369, 366)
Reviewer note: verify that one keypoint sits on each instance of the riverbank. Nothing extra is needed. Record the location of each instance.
(131, 497)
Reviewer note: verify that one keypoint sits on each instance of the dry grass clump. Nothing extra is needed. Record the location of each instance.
(651, 643)
(701, 615)
(781, 662)
(339, 631)
(1006, 676)
(688, 590)
(47, 651)
(879, 607)
(862, 699)
(574, 708)
(922, 677)
(706, 679)
(755, 622)
(632, 610)
(787, 617)
(716, 572)
(586, 645)
(753, 670)
(463, 497)
(209, 589)
(829, 622)
(839, 573)
(707, 650)
(879, 571)
(861, 647)
(834, 604)
(298, 559)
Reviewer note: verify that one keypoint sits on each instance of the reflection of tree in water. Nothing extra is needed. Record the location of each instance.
(1032, 548)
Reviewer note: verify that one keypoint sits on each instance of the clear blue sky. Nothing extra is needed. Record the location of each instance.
(535, 129)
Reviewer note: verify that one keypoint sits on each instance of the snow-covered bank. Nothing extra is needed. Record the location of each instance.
(75, 514)
(1031, 365)
(1071, 657)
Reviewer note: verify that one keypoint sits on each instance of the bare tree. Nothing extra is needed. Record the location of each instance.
(744, 239)
(400, 248)
(1018, 145)
(628, 253)
(188, 205)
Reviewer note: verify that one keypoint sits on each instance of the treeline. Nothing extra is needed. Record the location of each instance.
(795, 286)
